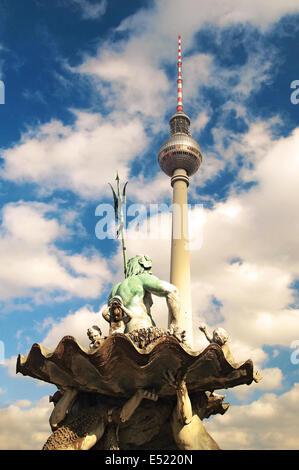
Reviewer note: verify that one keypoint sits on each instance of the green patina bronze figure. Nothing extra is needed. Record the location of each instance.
(136, 291)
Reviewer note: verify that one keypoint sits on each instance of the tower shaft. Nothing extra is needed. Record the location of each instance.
(180, 255)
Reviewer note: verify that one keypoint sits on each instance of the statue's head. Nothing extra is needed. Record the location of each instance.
(138, 265)
(220, 336)
(94, 332)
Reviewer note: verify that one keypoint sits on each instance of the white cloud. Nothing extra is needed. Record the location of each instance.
(25, 426)
(10, 364)
(130, 75)
(74, 324)
(254, 226)
(199, 69)
(25, 222)
(91, 10)
(200, 121)
(261, 13)
(193, 14)
(150, 191)
(83, 158)
(33, 266)
(129, 72)
(268, 423)
(272, 380)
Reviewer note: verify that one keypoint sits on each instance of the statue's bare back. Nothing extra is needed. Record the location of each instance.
(136, 291)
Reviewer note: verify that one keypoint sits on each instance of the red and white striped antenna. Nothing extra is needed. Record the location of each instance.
(180, 80)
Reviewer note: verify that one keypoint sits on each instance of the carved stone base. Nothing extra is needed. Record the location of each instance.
(149, 428)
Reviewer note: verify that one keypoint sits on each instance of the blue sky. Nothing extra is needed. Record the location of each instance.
(89, 89)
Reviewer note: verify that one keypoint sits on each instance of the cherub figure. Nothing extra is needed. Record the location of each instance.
(94, 333)
(220, 337)
(117, 315)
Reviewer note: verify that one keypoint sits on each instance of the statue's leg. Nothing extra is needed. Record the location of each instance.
(61, 407)
(133, 403)
(188, 430)
(192, 436)
(183, 408)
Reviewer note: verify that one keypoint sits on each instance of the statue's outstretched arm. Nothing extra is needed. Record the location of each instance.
(60, 409)
(133, 403)
(205, 330)
(155, 286)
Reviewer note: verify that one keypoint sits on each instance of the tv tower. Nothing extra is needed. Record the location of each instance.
(180, 157)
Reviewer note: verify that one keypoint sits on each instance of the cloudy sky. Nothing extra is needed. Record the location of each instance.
(89, 88)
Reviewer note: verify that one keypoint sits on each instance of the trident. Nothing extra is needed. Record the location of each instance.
(119, 201)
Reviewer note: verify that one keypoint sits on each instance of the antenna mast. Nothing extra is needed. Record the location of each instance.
(180, 80)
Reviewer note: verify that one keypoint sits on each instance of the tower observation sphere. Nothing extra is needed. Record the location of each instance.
(180, 150)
